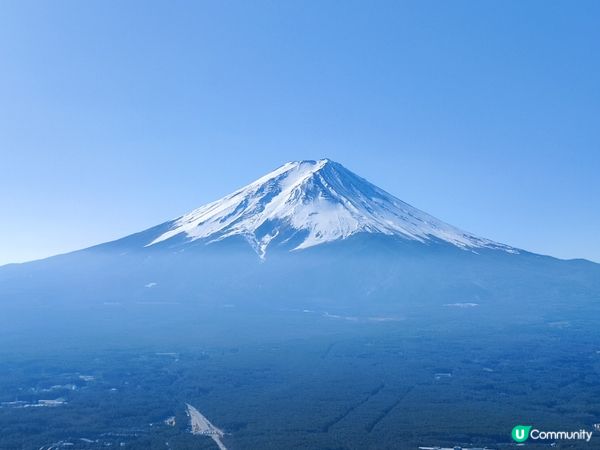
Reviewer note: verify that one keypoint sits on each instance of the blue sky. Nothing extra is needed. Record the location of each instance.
(115, 116)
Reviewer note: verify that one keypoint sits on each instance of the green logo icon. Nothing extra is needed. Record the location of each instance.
(520, 433)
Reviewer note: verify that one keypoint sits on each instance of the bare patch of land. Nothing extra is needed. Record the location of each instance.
(201, 425)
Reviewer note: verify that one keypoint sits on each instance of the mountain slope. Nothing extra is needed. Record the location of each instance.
(307, 203)
(357, 252)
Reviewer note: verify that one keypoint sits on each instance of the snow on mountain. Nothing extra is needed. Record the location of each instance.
(314, 202)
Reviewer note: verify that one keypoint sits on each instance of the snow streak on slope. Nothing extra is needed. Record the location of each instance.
(317, 202)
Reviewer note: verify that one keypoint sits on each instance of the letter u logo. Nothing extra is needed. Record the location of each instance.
(520, 433)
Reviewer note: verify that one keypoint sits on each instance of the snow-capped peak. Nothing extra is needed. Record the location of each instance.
(313, 202)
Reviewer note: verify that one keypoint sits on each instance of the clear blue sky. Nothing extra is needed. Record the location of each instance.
(118, 115)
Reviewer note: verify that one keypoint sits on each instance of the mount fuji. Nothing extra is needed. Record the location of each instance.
(308, 236)
(308, 203)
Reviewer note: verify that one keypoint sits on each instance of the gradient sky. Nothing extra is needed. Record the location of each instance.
(118, 115)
